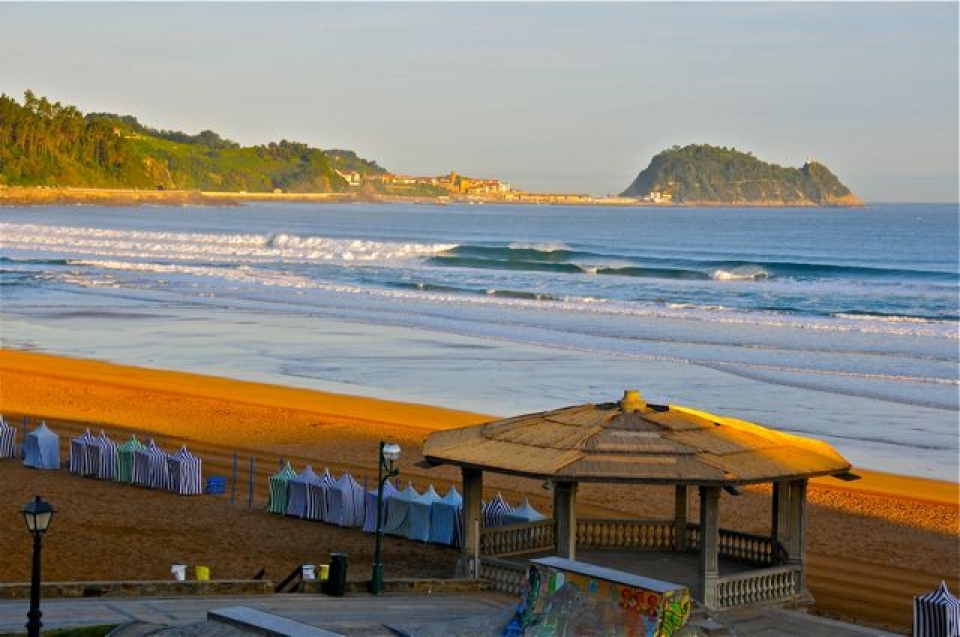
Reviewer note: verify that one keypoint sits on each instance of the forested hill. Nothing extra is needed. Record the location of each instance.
(48, 144)
(702, 174)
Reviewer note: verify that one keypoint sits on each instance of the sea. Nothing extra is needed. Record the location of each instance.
(840, 324)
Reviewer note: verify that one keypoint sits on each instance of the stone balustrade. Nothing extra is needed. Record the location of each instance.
(759, 587)
(650, 535)
(503, 576)
(518, 538)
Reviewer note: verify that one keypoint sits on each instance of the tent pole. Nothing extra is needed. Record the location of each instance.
(250, 486)
(233, 483)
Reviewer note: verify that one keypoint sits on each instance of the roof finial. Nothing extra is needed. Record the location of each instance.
(632, 401)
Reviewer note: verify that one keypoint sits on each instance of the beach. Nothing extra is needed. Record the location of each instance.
(872, 544)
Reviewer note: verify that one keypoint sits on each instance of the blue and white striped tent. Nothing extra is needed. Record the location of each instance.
(936, 614)
(102, 457)
(523, 514)
(342, 497)
(419, 516)
(8, 440)
(398, 513)
(492, 512)
(446, 519)
(297, 492)
(370, 519)
(150, 467)
(41, 448)
(186, 473)
(317, 494)
(79, 463)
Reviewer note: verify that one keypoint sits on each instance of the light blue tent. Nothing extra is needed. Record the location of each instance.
(297, 492)
(341, 501)
(370, 521)
(523, 514)
(41, 448)
(318, 492)
(398, 513)
(445, 519)
(419, 516)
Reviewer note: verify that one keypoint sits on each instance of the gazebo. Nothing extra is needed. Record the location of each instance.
(633, 442)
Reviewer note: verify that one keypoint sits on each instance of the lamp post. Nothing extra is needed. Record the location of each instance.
(389, 453)
(37, 515)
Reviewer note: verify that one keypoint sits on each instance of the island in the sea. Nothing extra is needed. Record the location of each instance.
(700, 174)
(51, 153)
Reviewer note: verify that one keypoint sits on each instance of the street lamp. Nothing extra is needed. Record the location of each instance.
(389, 453)
(37, 515)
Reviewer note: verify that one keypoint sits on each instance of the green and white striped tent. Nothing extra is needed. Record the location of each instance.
(278, 490)
(125, 454)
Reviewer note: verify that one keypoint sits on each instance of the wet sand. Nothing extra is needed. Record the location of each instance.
(872, 544)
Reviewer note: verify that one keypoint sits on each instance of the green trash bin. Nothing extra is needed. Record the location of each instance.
(336, 583)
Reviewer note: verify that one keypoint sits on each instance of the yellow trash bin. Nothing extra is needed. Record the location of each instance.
(203, 573)
(324, 572)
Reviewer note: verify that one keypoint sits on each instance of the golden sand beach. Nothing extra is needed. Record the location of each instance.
(872, 544)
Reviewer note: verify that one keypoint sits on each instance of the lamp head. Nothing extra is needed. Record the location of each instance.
(391, 452)
(37, 515)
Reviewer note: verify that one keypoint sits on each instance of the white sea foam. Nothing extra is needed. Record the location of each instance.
(742, 273)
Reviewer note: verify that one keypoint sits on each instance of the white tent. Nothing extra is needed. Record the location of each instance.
(297, 492)
(398, 513)
(41, 448)
(446, 519)
(102, 457)
(150, 467)
(419, 516)
(341, 501)
(492, 512)
(79, 463)
(370, 520)
(185, 471)
(8, 440)
(523, 514)
(318, 492)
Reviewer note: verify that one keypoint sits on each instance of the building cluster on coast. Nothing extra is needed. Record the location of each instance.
(456, 187)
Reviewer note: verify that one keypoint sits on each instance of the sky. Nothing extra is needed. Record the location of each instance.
(559, 97)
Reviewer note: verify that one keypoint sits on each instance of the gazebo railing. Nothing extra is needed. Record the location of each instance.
(745, 548)
(759, 587)
(530, 537)
(650, 535)
(505, 577)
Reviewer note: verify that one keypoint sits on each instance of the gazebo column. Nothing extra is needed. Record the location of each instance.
(780, 518)
(565, 516)
(798, 522)
(708, 570)
(472, 493)
(680, 507)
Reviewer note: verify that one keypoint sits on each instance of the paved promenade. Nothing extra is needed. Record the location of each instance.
(362, 615)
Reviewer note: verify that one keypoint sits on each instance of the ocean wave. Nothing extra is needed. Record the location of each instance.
(229, 248)
(741, 273)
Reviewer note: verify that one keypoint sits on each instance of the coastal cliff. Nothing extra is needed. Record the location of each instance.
(700, 174)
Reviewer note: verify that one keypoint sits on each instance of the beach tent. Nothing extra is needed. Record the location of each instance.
(297, 492)
(41, 448)
(492, 512)
(317, 494)
(523, 514)
(398, 513)
(186, 473)
(342, 496)
(8, 440)
(936, 614)
(125, 459)
(150, 467)
(419, 516)
(446, 518)
(278, 489)
(102, 457)
(370, 519)
(79, 463)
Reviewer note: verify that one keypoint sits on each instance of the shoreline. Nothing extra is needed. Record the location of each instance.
(45, 196)
(887, 537)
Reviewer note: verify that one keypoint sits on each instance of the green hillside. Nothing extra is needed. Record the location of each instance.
(48, 144)
(702, 174)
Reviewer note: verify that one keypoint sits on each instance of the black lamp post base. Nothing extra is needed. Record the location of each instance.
(376, 580)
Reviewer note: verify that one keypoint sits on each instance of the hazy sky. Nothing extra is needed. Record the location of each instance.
(561, 97)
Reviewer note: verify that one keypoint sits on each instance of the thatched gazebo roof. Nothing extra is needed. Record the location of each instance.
(634, 442)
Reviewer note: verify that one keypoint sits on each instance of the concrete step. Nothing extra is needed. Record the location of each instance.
(262, 623)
